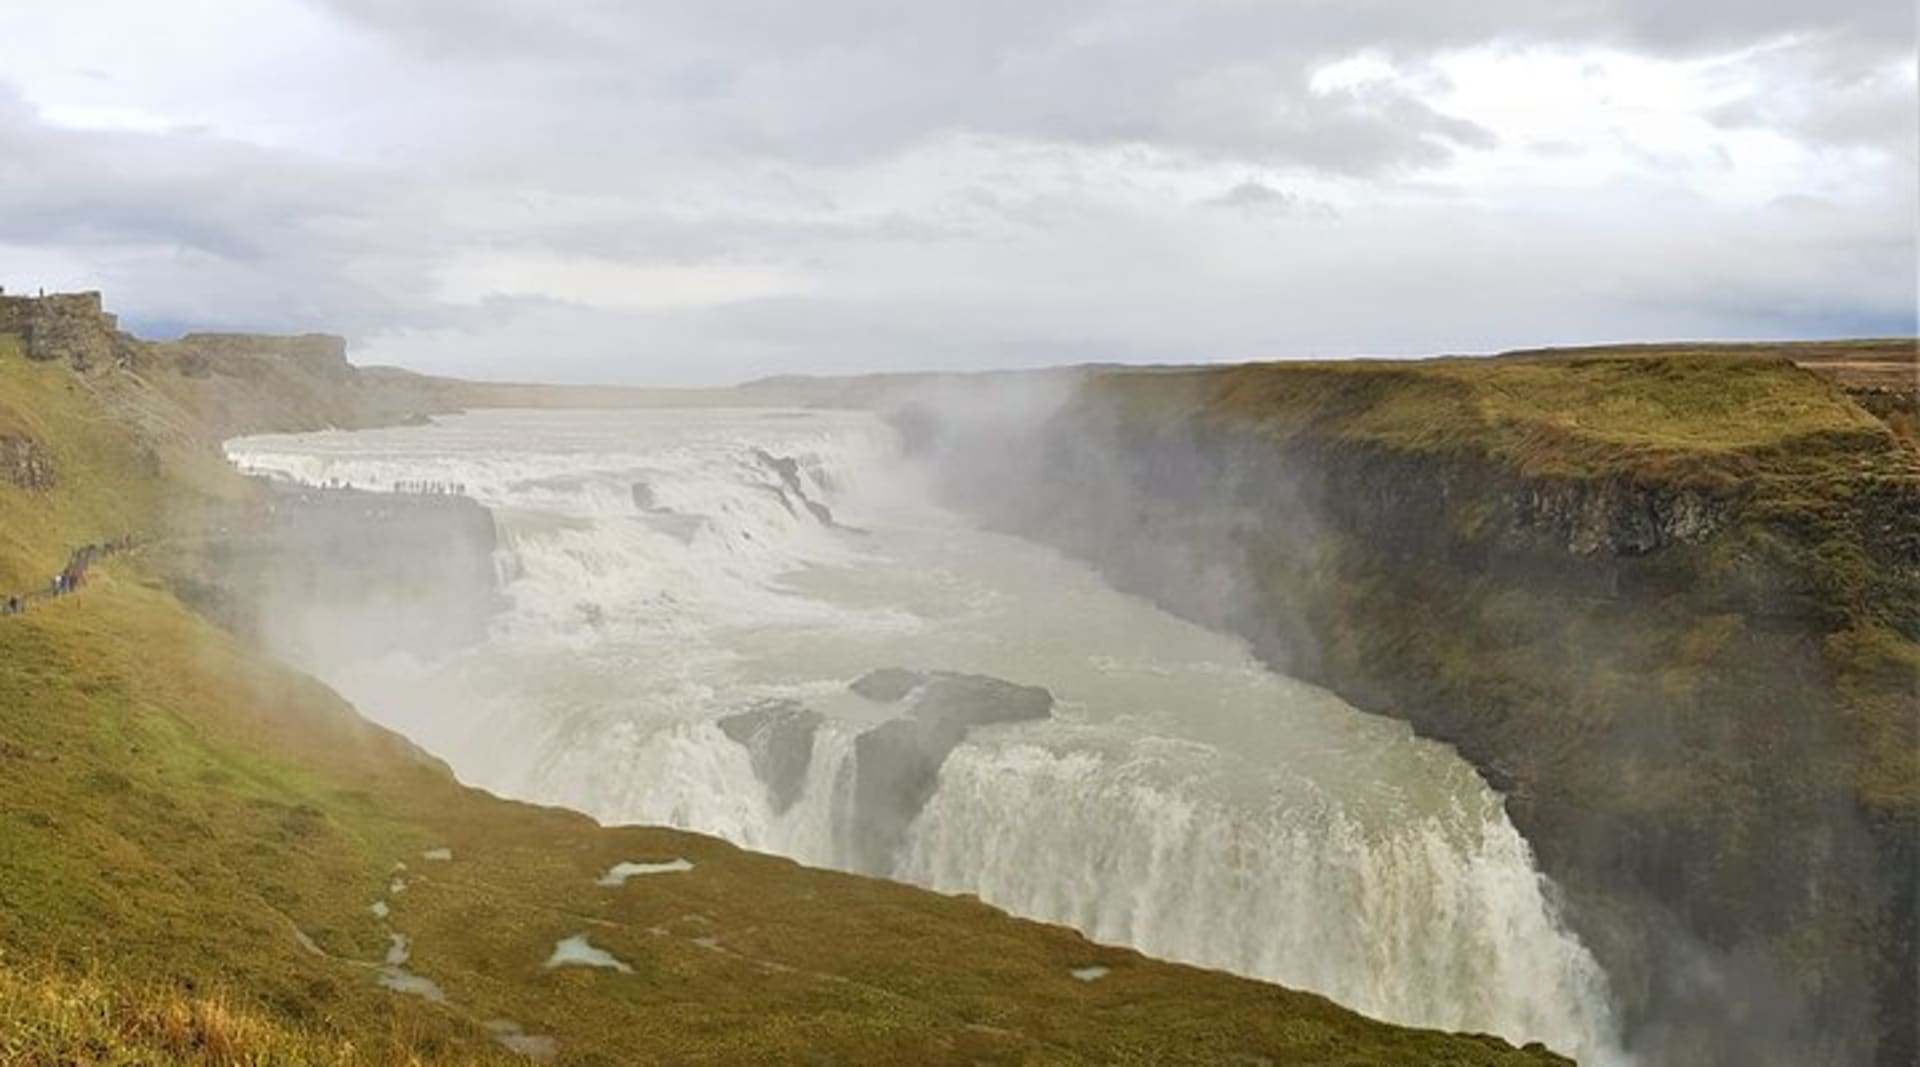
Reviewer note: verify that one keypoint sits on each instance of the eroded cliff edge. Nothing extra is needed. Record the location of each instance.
(1667, 602)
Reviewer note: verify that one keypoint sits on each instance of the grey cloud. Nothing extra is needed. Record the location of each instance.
(1804, 95)
(1468, 280)
(847, 80)
(964, 185)
(184, 223)
(838, 81)
(1254, 194)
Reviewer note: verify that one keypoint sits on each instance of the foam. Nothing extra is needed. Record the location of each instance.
(576, 951)
(618, 874)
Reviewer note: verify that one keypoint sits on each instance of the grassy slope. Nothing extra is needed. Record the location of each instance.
(1656, 413)
(175, 809)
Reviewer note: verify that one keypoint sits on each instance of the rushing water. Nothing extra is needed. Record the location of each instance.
(663, 571)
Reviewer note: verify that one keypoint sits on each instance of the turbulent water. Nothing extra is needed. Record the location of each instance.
(665, 569)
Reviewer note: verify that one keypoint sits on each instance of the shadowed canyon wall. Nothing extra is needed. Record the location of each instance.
(1688, 663)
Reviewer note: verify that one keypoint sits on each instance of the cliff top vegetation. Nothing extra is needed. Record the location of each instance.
(1704, 413)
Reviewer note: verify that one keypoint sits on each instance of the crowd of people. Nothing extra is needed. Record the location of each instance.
(431, 488)
(72, 578)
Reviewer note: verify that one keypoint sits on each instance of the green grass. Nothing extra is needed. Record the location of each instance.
(1667, 413)
(177, 809)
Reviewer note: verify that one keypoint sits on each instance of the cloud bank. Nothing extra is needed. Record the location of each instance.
(681, 192)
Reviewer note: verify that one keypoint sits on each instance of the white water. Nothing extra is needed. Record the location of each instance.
(1183, 799)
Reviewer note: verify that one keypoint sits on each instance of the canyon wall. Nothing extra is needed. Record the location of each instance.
(323, 576)
(230, 383)
(1668, 606)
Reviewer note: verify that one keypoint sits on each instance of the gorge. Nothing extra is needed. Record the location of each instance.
(1160, 790)
(1565, 697)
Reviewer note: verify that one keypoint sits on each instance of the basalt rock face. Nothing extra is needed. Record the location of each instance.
(897, 764)
(24, 464)
(65, 327)
(229, 383)
(238, 383)
(791, 487)
(778, 736)
(320, 576)
(1670, 679)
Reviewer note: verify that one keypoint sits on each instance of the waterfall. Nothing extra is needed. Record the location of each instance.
(667, 569)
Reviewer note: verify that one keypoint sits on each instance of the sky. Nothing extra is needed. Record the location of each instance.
(656, 192)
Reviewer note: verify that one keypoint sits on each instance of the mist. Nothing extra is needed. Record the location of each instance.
(780, 626)
(1310, 549)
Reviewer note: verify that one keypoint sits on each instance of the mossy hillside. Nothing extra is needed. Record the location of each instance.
(42, 402)
(1658, 413)
(180, 813)
(176, 810)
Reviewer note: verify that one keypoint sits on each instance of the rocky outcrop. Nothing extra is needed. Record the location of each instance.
(24, 464)
(888, 684)
(252, 383)
(65, 327)
(1696, 693)
(897, 764)
(230, 383)
(791, 487)
(324, 576)
(322, 355)
(778, 736)
(963, 700)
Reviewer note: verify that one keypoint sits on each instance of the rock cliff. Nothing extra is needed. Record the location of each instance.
(321, 576)
(24, 463)
(231, 383)
(1667, 603)
(66, 327)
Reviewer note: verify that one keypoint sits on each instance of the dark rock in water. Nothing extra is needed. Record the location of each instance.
(789, 472)
(897, 764)
(977, 700)
(896, 768)
(887, 684)
(966, 699)
(787, 469)
(778, 736)
(643, 496)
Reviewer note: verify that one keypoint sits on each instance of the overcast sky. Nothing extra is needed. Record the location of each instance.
(709, 190)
